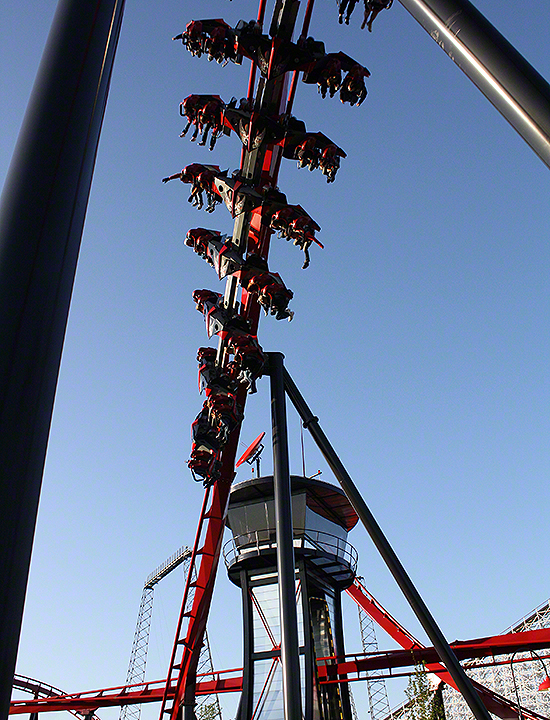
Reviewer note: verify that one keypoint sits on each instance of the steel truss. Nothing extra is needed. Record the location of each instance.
(379, 704)
(138, 656)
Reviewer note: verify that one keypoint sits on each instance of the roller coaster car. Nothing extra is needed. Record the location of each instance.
(210, 304)
(293, 223)
(301, 227)
(203, 433)
(353, 90)
(216, 249)
(210, 117)
(189, 108)
(330, 161)
(213, 378)
(237, 196)
(206, 300)
(203, 179)
(205, 182)
(281, 219)
(205, 450)
(206, 357)
(205, 464)
(198, 238)
(213, 37)
(216, 316)
(292, 219)
(224, 414)
(313, 150)
(327, 73)
(191, 173)
(272, 293)
(193, 37)
(249, 360)
(205, 112)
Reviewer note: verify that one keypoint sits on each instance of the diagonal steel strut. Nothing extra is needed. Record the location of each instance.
(442, 647)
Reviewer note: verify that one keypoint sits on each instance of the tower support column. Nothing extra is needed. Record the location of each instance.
(42, 214)
(504, 76)
(285, 543)
(445, 652)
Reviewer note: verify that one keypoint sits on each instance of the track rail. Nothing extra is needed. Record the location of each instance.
(330, 670)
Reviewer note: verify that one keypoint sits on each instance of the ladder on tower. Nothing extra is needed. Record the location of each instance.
(191, 628)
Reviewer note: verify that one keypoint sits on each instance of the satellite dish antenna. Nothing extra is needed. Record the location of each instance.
(252, 453)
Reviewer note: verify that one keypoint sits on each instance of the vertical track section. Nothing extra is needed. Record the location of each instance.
(259, 168)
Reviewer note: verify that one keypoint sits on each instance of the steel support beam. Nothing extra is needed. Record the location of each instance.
(431, 628)
(42, 212)
(504, 76)
(290, 658)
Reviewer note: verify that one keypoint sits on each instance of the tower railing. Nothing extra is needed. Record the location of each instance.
(258, 542)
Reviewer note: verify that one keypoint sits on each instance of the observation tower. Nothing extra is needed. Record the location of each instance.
(324, 565)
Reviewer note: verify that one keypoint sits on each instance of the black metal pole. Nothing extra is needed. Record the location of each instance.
(42, 212)
(504, 76)
(290, 658)
(442, 647)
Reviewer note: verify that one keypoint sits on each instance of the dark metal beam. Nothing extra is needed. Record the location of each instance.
(504, 76)
(430, 626)
(42, 212)
(290, 658)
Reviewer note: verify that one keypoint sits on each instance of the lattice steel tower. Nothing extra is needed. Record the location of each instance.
(138, 657)
(379, 704)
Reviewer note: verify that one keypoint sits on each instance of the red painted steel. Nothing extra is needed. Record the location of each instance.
(186, 651)
(126, 694)
(250, 450)
(495, 703)
(226, 681)
(480, 647)
(296, 73)
(381, 616)
(177, 649)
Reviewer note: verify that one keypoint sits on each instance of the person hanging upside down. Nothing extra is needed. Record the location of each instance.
(350, 4)
(372, 9)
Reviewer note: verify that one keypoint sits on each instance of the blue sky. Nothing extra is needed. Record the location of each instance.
(420, 337)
